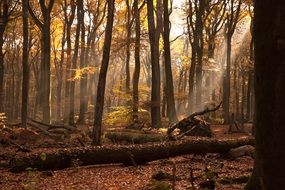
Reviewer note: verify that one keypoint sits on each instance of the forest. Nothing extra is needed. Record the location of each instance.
(142, 94)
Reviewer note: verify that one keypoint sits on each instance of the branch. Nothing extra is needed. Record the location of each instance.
(207, 110)
(35, 19)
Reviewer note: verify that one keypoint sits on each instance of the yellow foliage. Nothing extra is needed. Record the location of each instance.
(80, 72)
(122, 116)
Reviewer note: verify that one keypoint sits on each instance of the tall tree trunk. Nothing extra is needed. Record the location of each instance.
(200, 38)
(45, 73)
(171, 110)
(128, 43)
(1, 71)
(102, 75)
(46, 42)
(25, 80)
(249, 95)
(137, 63)
(74, 63)
(68, 20)
(60, 75)
(83, 79)
(155, 71)
(191, 82)
(232, 20)
(227, 81)
(236, 89)
(4, 15)
(269, 32)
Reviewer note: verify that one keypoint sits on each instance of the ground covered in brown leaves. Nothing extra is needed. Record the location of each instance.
(189, 170)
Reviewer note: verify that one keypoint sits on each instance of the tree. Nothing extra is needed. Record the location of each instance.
(128, 43)
(96, 140)
(232, 18)
(137, 63)
(215, 22)
(269, 44)
(44, 26)
(68, 19)
(80, 13)
(25, 80)
(5, 13)
(171, 111)
(195, 25)
(154, 33)
(83, 78)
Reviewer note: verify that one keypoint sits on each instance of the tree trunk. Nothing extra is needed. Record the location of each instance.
(248, 95)
(83, 78)
(137, 63)
(1, 72)
(269, 30)
(68, 21)
(128, 43)
(232, 19)
(254, 181)
(169, 90)
(227, 81)
(45, 72)
(200, 39)
(74, 63)
(59, 71)
(125, 154)
(102, 75)
(4, 16)
(25, 80)
(155, 86)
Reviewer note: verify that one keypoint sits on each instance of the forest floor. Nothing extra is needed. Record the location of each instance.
(226, 173)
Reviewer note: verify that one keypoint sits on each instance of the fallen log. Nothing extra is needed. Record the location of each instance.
(45, 132)
(135, 138)
(70, 128)
(191, 121)
(130, 154)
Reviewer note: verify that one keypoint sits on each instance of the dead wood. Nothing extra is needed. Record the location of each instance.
(139, 154)
(186, 125)
(42, 130)
(70, 128)
(134, 138)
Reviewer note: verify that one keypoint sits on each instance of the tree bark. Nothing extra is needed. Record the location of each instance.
(25, 62)
(4, 16)
(74, 64)
(169, 90)
(68, 20)
(45, 72)
(232, 20)
(83, 78)
(269, 31)
(102, 75)
(199, 52)
(128, 44)
(137, 63)
(226, 83)
(124, 154)
(155, 70)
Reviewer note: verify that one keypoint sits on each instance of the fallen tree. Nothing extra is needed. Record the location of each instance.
(32, 121)
(135, 138)
(129, 155)
(193, 126)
